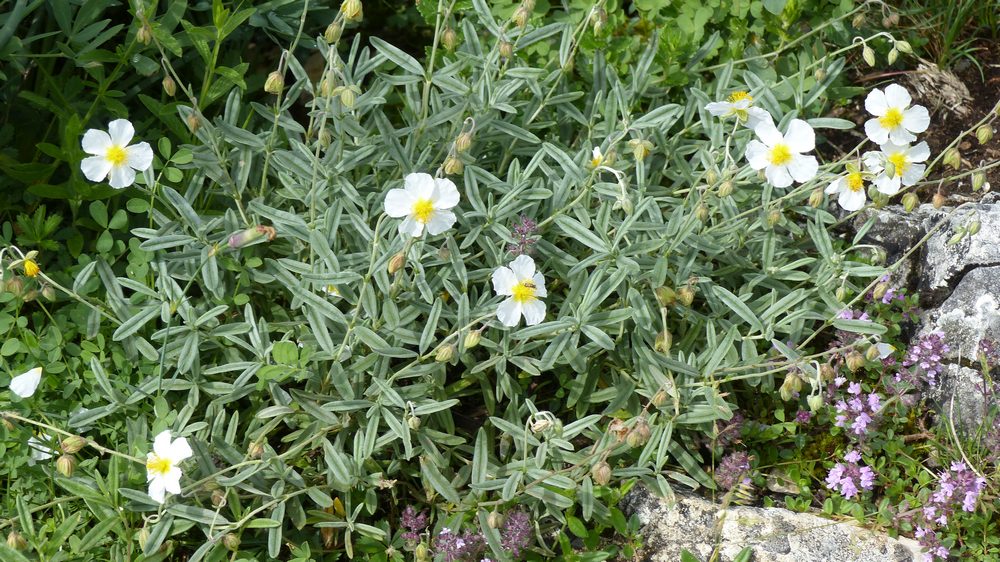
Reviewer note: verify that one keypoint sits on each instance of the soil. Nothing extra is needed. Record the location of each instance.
(941, 93)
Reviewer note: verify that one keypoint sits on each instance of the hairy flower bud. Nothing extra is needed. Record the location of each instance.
(275, 83)
(978, 178)
(701, 212)
(904, 47)
(665, 296)
(664, 340)
(520, 17)
(910, 201)
(413, 422)
(641, 148)
(30, 295)
(891, 57)
(472, 338)
(453, 166)
(352, 10)
(218, 498)
(816, 198)
(14, 286)
(169, 86)
(48, 292)
(726, 188)
(891, 20)
(463, 142)
(815, 402)
(984, 133)
(660, 398)
(938, 200)
(599, 18)
(246, 237)
(333, 32)
(73, 444)
(494, 519)
(601, 473)
(505, 49)
(255, 450)
(826, 372)
(422, 553)
(396, 263)
(445, 353)
(858, 20)
(872, 353)
(325, 138)
(685, 295)
(231, 542)
(639, 435)
(868, 55)
(145, 34)
(193, 121)
(953, 158)
(854, 361)
(15, 541)
(790, 387)
(840, 293)
(449, 39)
(974, 227)
(819, 74)
(65, 465)
(880, 290)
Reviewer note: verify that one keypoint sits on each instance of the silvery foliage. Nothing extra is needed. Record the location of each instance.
(345, 397)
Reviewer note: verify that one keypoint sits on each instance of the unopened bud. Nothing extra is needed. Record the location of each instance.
(891, 20)
(348, 96)
(333, 32)
(396, 263)
(444, 353)
(169, 86)
(145, 34)
(65, 465)
(910, 201)
(855, 361)
(463, 142)
(472, 338)
(352, 10)
(790, 387)
(938, 200)
(494, 519)
(816, 198)
(815, 402)
(73, 444)
(275, 83)
(413, 422)
(48, 292)
(957, 237)
(665, 296)
(858, 20)
(15, 541)
(452, 166)
(246, 237)
(872, 352)
(193, 121)
(505, 49)
(840, 293)
(984, 133)
(891, 57)
(819, 74)
(774, 217)
(978, 178)
(726, 188)
(701, 212)
(143, 537)
(880, 290)
(325, 138)
(601, 473)
(711, 177)
(449, 39)
(904, 47)
(15, 286)
(520, 17)
(231, 542)
(422, 553)
(599, 19)
(974, 227)
(641, 148)
(868, 55)
(639, 434)
(685, 295)
(664, 340)
(30, 296)
(660, 398)
(255, 450)
(953, 158)
(327, 85)
(826, 372)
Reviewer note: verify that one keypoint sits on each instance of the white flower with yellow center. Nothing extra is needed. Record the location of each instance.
(850, 190)
(112, 155)
(162, 470)
(524, 288)
(895, 121)
(896, 165)
(423, 202)
(781, 156)
(596, 157)
(24, 385)
(740, 105)
(332, 290)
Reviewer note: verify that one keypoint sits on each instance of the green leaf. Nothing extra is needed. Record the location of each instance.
(403, 60)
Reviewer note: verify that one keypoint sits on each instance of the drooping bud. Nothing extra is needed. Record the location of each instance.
(978, 179)
(974, 227)
(660, 398)
(790, 387)
(14, 286)
(815, 402)
(880, 290)
(701, 212)
(30, 295)
(463, 142)
(953, 158)
(505, 49)
(599, 18)
(984, 133)
(453, 166)
(910, 201)
(65, 465)
(413, 422)
(891, 57)
(255, 450)
(868, 55)
(472, 339)
(601, 473)
(494, 519)
(73, 444)
(640, 148)
(275, 83)
(193, 121)
(231, 542)
(858, 20)
(445, 353)
(246, 237)
(145, 34)
(826, 372)
(520, 17)
(854, 361)
(872, 352)
(685, 295)
(891, 20)
(665, 296)
(819, 74)
(352, 10)
(169, 86)
(348, 96)
(664, 340)
(840, 293)
(396, 263)
(639, 435)
(48, 292)
(726, 188)
(333, 32)
(449, 39)
(816, 198)
(904, 47)
(774, 217)
(218, 498)
(15, 541)
(325, 138)
(422, 553)
(938, 200)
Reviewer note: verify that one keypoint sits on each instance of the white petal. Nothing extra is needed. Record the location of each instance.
(523, 267)
(874, 161)
(720, 108)
(803, 168)
(399, 203)
(534, 312)
(39, 451)
(913, 174)
(852, 200)
(778, 176)
(897, 96)
(916, 119)
(504, 281)
(157, 489)
(900, 135)
(172, 480)
(509, 312)
(447, 194)
(121, 177)
(876, 132)
(411, 227)
(95, 168)
(96, 142)
(836, 185)
(121, 132)
(180, 450)
(539, 282)
(139, 156)
(919, 153)
(24, 385)
(800, 136)
(887, 185)
(757, 155)
(876, 103)
(768, 133)
(440, 222)
(161, 444)
(419, 185)
(756, 116)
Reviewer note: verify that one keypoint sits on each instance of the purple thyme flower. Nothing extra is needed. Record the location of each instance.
(856, 411)
(933, 549)
(850, 477)
(923, 361)
(515, 535)
(957, 487)
(523, 231)
(414, 523)
(731, 432)
(732, 470)
(803, 416)
(455, 547)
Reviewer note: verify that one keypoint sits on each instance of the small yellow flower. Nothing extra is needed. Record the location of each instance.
(31, 268)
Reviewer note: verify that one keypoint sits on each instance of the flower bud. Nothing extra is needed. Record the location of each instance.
(641, 149)
(169, 86)
(819, 74)
(14, 286)
(685, 295)
(325, 138)
(449, 39)
(938, 200)
(618, 428)
(953, 158)
(891, 57)
(790, 387)
(218, 498)
(520, 17)
(422, 553)
(639, 435)
(910, 201)
(826, 372)
(145, 34)
(891, 20)
(246, 237)
(231, 542)
(774, 217)
(445, 353)
(505, 49)
(48, 292)
(352, 10)
(855, 361)
(701, 212)
(463, 142)
(31, 268)
(396, 263)
(30, 295)
(984, 133)
(15, 541)
(65, 465)
(73, 444)
(665, 296)
(957, 237)
(255, 450)
(472, 339)
(880, 290)
(601, 473)
(193, 121)
(872, 353)
(494, 519)
(726, 188)
(663, 341)
(816, 198)
(868, 55)
(333, 32)
(413, 422)
(275, 83)
(452, 166)
(660, 398)
(599, 18)
(815, 402)
(858, 20)
(978, 179)
(974, 227)
(348, 96)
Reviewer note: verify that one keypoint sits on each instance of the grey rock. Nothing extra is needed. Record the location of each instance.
(895, 231)
(774, 534)
(969, 314)
(959, 399)
(943, 264)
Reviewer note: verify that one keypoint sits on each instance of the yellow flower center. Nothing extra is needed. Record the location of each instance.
(523, 292)
(158, 465)
(899, 163)
(331, 290)
(30, 268)
(855, 182)
(116, 155)
(781, 154)
(423, 209)
(739, 96)
(892, 118)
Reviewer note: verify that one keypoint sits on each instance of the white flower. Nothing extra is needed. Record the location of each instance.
(596, 157)
(895, 121)
(740, 104)
(780, 156)
(162, 471)
(24, 385)
(905, 169)
(39, 450)
(524, 287)
(850, 190)
(112, 155)
(332, 291)
(423, 201)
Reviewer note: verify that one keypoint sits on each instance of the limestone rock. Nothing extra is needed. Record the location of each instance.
(971, 313)
(959, 399)
(945, 264)
(775, 534)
